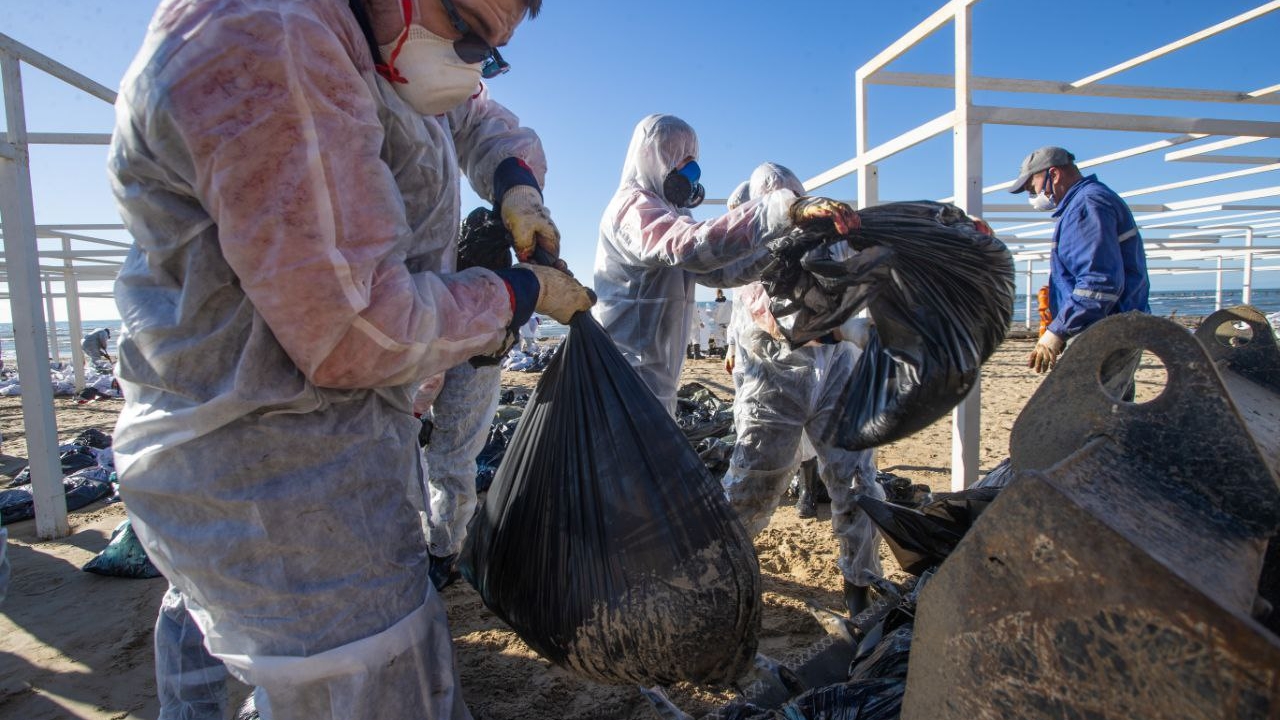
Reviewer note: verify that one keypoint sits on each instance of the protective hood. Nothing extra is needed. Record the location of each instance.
(769, 176)
(658, 145)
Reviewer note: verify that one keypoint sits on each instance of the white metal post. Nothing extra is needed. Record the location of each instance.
(1030, 278)
(51, 322)
(1217, 290)
(75, 332)
(17, 213)
(1246, 290)
(966, 418)
(869, 175)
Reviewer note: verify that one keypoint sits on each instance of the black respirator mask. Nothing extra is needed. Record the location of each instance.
(681, 187)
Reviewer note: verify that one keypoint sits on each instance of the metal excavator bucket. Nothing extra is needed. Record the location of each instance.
(1117, 576)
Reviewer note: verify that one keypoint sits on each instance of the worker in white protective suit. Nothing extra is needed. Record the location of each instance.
(294, 211)
(784, 393)
(651, 252)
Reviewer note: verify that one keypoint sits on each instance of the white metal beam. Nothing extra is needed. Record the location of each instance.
(64, 138)
(1195, 37)
(1209, 147)
(1124, 122)
(74, 329)
(1055, 87)
(966, 142)
(909, 139)
(42, 62)
(17, 214)
(914, 36)
(1118, 155)
(1200, 180)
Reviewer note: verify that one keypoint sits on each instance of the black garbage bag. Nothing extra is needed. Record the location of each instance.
(484, 241)
(123, 556)
(495, 448)
(700, 414)
(94, 438)
(879, 699)
(940, 290)
(73, 458)
(901, 491)
(921, 539)
(888, 659)
(999, 476)
(83, 487)
(604, 543)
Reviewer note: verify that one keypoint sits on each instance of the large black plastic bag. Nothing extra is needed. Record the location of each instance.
(940, 290)
(123, 557)
(604, 543)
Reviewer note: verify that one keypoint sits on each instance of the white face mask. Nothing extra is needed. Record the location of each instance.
(436, 79)
(1041, 203)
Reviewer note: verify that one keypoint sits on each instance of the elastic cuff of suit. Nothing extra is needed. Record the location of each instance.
(511, 172)
(523, 286)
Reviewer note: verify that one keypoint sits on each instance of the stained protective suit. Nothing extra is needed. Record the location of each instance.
(651, 254)
(461, 415)
(785, 393)
(95, 344)
(290, 284)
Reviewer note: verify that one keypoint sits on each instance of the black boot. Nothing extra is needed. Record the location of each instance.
(443, 572)
(857, 598)
(805, 506)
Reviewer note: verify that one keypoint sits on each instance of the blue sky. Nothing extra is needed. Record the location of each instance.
(758, 81)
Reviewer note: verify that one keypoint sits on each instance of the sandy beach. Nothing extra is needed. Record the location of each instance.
(77, 645)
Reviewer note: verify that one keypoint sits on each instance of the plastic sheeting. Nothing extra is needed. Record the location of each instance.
(939, 289)
(604, 543)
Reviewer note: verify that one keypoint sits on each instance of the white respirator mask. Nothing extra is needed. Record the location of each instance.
(427, 73)
(1041, 203)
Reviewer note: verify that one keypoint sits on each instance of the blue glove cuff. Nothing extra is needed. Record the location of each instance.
(511, 172)
(524, 288)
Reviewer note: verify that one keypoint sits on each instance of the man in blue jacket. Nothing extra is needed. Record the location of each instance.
(1097, 266)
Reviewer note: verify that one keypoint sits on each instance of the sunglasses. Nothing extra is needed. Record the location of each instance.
(471, 48)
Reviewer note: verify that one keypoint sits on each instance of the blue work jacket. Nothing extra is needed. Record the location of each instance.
(1098, 266)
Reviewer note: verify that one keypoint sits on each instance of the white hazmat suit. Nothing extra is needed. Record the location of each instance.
(782, 395)
(651, 253)
(290, 283)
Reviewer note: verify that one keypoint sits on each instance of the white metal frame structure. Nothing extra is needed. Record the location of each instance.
(79, 257)
(1028, 238)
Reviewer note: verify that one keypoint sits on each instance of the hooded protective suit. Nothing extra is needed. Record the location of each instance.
(782, 395)
(289, 285)
(651, 253)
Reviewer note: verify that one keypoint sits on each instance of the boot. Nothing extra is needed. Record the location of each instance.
(857, 598)
(443, 572)
(805, 506)
(697, 351)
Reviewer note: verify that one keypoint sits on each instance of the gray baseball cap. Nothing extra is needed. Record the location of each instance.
(1039, 161)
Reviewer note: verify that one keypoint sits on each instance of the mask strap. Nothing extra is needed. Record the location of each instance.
(388, 69)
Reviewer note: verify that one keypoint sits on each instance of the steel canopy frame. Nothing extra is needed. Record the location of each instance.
(23, 273)
(967, 120)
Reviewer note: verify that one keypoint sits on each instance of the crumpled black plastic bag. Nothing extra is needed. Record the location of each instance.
(72, 458)
(603, 541)
(922, 539)
(484, 241)
(81, 488)
(123, 556)
(700, 414)
(939, 289)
